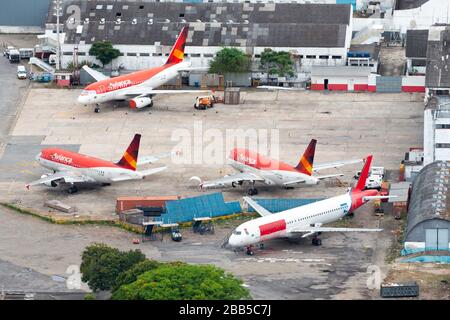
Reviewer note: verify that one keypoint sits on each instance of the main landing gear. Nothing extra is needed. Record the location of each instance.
(252, 191)
(73, 189)
(97, 108)
(249, 251)
(316, 241)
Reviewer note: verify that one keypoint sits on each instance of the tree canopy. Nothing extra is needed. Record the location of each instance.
(131, 275)
(277, 62)
(230, 60)
(104, 51)
(101, 265)
(183, 282)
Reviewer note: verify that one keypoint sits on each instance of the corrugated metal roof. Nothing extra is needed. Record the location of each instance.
(408, 4)
(340, 71)
(430, 196)
(211, 24)
(416, 43)
(23, 12)
(438, 60)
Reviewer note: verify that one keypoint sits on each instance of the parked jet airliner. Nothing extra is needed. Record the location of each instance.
(70, 167)
(306, 220)
(253, 167)
(138, 86)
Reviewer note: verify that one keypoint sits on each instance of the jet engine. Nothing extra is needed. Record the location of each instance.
(49, 184)
(141, 102)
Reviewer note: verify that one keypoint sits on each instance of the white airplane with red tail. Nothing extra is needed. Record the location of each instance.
(304, 221)
(138, 87)
(253, 167)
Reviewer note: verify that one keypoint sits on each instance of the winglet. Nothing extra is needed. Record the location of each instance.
(364, 174)
(258, 208)
(305, 164)
(177, 53)
(130, 156)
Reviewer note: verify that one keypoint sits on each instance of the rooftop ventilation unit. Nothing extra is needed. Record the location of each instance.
(86, 20)
(150, 21)
(102, 21)
(118, 21)
(134, 21)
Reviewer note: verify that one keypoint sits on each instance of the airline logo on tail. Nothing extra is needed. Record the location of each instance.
(177, 53)
(129, 158)
(305, 164)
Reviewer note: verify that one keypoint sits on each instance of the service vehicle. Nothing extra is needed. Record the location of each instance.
(21, 72)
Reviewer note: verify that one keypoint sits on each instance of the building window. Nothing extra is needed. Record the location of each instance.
(144, 54)
(208, 55)
(323, 57)
(121, 54)
(336, 57)
(195, 55)
(141, 7)
(67, 53)
(131, 54)
(310, 57)
(443, 145)
(257, 56)
(300, 56)
(118, 14)
(81, 53)
(181, 15)
(443, 126)
(157, 54)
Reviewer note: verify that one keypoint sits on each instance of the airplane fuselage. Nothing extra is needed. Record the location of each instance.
(129, 85)
(278, 225)
(100, 171)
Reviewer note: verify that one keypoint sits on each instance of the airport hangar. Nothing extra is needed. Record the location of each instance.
(316, 34)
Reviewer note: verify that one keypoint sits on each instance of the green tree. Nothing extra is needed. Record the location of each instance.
(101, 265)
(229, 60)
(134, 272)
(277, 62)
(104, 51)
(71, 66)
(183, 282)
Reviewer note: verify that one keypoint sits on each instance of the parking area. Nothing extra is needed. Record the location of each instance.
(346, 126)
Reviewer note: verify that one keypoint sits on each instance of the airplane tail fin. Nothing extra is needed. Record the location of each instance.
(364, 174)
(177, 53)
(130, 156)
(305, 164)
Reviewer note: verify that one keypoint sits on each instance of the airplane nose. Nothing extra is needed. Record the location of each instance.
(82, 99)
(233, 241)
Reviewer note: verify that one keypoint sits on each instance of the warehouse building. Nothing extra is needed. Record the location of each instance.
(315, 34)
(436, 130)
(428, 220)
(437, 79)
(416, 51)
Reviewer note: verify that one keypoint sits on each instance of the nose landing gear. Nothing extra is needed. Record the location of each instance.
(316, 241)
(249, 251)
(97, 108)
(73, 189)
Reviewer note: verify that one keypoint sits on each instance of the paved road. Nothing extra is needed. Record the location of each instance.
(11, 91)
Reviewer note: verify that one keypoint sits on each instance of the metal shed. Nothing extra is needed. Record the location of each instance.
(428, 221)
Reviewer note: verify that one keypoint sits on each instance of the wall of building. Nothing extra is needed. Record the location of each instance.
(23, 13)
(339, 83)
(413, 84)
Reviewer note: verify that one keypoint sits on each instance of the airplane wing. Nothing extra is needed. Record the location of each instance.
(310, 230)
(98, 76)
(318, 167)
(329, 176)
(143, 174)
(258, 208)
(133, 92)
(66, 176)
(228, 180)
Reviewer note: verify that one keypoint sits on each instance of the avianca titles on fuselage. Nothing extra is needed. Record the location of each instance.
(140, 84)
(305, 219)
(71, 167)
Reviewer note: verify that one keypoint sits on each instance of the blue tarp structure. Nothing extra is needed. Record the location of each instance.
(210, 205)
(278, 205)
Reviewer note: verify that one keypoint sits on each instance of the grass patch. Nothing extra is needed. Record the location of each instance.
(395, 249)
(116, 223)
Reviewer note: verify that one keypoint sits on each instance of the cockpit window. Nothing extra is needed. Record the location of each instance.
(237, 232)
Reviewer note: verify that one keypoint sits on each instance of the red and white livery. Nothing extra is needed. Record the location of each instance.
(138, 87)
(71, 167)
(304, 221)
(253, 167)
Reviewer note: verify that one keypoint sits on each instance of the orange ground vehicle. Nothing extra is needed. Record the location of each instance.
(204, 102)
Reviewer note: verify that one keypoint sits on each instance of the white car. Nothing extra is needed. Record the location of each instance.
(21, 72)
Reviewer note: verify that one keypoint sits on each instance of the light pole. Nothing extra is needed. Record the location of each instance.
(58, 13)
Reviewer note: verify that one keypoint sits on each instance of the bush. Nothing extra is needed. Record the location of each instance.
(89, 296)
(101, 265)
(183, 282)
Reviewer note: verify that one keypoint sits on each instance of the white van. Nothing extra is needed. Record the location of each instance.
(21, 72)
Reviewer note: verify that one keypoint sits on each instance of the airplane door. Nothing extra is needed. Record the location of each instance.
(102, 89)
